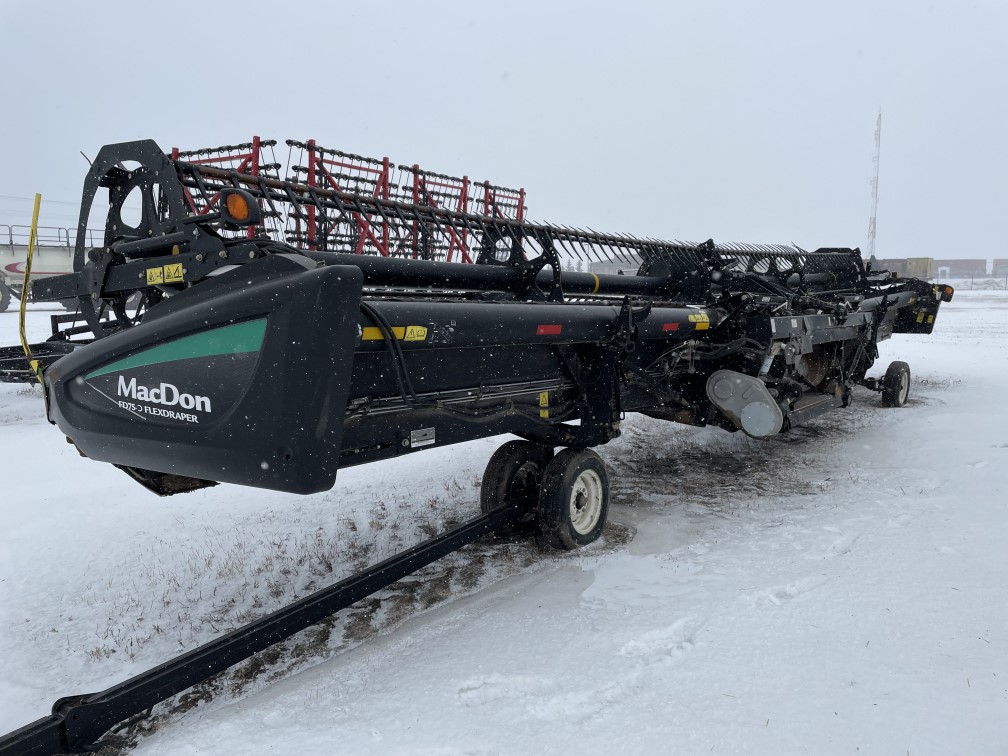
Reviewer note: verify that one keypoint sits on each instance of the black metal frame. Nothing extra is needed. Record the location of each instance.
(613, 355)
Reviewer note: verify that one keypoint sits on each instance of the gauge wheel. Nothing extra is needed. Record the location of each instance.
(896, 385)
(512, 478)
(573, 499)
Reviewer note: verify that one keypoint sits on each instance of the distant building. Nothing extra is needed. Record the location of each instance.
(920, 267)
(894, 265)
(613, 267)
(1000, 267)
(961, 268)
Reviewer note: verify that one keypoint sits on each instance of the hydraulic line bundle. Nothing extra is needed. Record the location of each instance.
(213, 344)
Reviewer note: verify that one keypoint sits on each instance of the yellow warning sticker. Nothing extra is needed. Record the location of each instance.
(920, 317)
(173, 273)
(700, 321)
(416, 333)
(165, 274)
(402, 333)
(930, 319)
(543, 403)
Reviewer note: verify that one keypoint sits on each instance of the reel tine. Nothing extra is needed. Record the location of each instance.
(618, 251)
(572, 239)
(580, 236)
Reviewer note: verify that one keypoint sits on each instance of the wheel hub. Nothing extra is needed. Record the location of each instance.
(586, 502)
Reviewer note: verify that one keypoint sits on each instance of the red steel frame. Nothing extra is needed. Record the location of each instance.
(424, 187)
(490, 200)
(324, 170)
(241, 162)
(319, 165)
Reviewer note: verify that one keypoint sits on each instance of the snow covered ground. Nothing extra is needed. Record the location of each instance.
(837, 590)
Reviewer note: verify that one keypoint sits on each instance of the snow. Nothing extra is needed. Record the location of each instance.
(836, 590)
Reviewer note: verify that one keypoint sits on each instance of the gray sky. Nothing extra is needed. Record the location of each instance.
(741, 121)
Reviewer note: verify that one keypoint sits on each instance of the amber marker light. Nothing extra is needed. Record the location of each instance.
(237, 207)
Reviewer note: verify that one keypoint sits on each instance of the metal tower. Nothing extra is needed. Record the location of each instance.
(874, 187)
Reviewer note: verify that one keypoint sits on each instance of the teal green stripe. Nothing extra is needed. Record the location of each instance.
(233, 339)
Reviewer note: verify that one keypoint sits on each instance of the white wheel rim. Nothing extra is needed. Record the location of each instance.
(586, 502)
(904, 387)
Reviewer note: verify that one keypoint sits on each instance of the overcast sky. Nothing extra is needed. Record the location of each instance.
(741, 121)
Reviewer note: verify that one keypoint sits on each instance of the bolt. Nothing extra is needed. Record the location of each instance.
(405, 442)
(252, 254)
(199, 258)
(222, 254)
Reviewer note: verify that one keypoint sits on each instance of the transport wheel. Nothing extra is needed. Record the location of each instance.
(573, 499)
(896, 385)
(5, 297)
(512, 476)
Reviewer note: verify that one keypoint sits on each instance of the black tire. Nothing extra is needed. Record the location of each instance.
(573, 499)
(896, 385)
(513, 476)
(5, 297)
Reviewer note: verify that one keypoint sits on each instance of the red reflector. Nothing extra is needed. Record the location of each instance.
(549, 330)
(670, 326)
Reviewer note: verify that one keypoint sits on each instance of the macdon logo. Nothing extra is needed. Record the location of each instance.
(166, 394)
